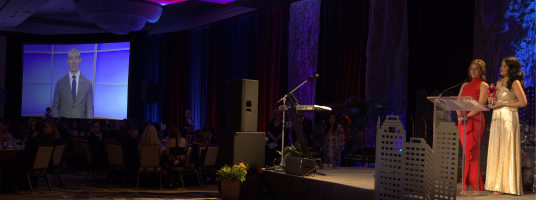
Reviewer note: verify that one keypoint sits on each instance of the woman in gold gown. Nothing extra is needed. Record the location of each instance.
(503, 173)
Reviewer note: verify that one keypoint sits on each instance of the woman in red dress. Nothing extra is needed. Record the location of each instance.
(475, 124)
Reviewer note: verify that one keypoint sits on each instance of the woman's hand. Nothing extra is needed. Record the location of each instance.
(490, 99)
(460, 119)
(498, 105)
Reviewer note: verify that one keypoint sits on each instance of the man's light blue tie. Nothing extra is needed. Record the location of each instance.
(73, 88)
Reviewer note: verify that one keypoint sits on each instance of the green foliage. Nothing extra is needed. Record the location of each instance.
(234, 173)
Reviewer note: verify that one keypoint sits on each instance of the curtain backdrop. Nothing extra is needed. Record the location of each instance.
(505, 28)
(387, 54)
(303, 50)
(341, 50)
(200, 61)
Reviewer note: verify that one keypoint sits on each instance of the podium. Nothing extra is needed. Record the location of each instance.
(446, 112)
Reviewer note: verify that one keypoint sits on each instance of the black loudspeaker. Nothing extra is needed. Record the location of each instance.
(298, 165)
(236, 147)
(242, 105)
(150, 92)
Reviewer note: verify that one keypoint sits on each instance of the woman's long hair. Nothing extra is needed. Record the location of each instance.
(482, 66)
(273, 113)
(328, 125)
(54, 129)
(31, 131)
(149, 136)
(514, 72)
(200, 137)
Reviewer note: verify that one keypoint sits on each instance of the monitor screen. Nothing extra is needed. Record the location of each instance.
(76, 80)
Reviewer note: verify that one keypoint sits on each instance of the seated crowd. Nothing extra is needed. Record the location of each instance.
(49, 131)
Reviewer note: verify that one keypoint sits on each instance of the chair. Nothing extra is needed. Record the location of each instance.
(149, 162)
(189, 168)
(41, 163)
(115, 159)
(90, 163)
(109, 140)
(57, 160)
(208, 161)
(78, 146)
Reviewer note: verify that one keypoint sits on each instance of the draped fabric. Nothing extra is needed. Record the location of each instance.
(200, 61)
(303, 50)
(505, 28)
(342, 46)
(387, 54)
(153, 66)
(177, 76)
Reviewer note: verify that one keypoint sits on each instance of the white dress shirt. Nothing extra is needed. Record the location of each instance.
(77, 80)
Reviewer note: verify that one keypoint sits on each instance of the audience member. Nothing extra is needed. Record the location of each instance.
(48, 114)
(175, 155)
(86, 130)
(144, 125)
(274, 130)
(149, 137)
(187, 120)
(15, 129)
(158, 128)
(31, 132)
(24, 162)
(114, 132)
(209, 135)
(62, 129)
(130, 149)
(72, 128)
(124, 125)
(50, 129)
(190, 138)
(3, 132)
(30, 120)
(93, 141)
(200, 138)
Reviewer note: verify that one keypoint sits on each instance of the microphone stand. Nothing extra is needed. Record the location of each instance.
(284, 100)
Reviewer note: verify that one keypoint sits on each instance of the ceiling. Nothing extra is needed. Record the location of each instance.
(49, 17)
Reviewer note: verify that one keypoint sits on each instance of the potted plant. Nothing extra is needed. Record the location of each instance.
(231, 180)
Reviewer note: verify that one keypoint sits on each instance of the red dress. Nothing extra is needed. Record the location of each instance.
(474, 128)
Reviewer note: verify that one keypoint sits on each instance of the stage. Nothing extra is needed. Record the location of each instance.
(338, 183)
(345, 183)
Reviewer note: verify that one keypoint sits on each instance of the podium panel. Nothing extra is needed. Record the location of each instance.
(452, 127)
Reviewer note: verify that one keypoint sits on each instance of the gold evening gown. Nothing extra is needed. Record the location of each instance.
(503, 173)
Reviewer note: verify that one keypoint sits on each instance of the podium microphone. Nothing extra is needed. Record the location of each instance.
(314, 76)
(464, 81)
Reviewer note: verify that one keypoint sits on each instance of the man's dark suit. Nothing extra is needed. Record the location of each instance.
(64, 133)
(307, 127)
(189, 138)
(112, 134)
(63, 104)
(214, 140)
(130, 149)
(96, 148)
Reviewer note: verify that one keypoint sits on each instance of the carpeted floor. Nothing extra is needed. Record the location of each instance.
(75, 188)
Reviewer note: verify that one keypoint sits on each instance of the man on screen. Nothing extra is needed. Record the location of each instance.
(73, 97)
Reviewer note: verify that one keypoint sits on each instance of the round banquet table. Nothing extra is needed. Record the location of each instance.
(9, 155)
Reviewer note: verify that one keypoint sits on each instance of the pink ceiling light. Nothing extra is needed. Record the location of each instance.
(219, 1)
(166, 2)
(119, 16)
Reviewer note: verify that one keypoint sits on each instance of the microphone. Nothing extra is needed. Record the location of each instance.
(464, 81)
(314, 76)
